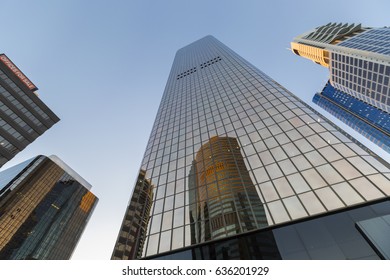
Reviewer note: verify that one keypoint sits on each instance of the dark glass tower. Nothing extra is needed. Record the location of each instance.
(243, 169)
(23, 116)
(44, 208)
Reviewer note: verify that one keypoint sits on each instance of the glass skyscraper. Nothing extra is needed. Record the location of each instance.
(23, 116)
(358, 59)
(237, 167)
(44, 208)
(369, 121)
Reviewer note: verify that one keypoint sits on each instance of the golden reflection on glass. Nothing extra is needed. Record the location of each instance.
(224, 199)
(43, 212)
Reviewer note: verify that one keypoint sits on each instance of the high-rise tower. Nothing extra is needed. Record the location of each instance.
(243, 169)
(358, 92)
(23, 116)
(44, 208)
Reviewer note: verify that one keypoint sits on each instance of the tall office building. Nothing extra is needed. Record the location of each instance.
(243, 169)
(23, 116)
(135, 223)
(44, 208)
(358, 92)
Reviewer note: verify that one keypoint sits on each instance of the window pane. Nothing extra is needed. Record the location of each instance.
(261, 175)
(311, 203)
(347, 193)
(177, 238)
(304, 145)
(294, 207)
(268, 191)
(381, 182)
(330, 175)
(274, 171)
(348, 171)
(329, 198)
(301, 163)
(315, 158)
(366, 189)
(287, 167)
(362, 165)
(298, 183)
(278, 211)
(283, 187)
(313, 178)
(329, 153)
(165, 244)
(266, 157)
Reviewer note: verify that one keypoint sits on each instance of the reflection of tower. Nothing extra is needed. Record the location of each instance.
(132, 235)
(227, 202)
(301, 165)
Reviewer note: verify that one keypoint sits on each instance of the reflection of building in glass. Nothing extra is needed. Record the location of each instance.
(225, 201)
(23, 116)
(347, 235)
(225, 193)
(358, 59)
(295, 171)
(132, 235)
(44, 208)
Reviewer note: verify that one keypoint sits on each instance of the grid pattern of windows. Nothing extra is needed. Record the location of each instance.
(337, 236)
(23, 117)
(43, 211)
(363, 127)
(369, 113)
(298, 163)
(374, 40)
(363, 79)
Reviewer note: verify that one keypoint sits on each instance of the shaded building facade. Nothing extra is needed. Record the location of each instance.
(23, 116)
(239, 164)
(132, 234)
(44, 208)
(358, 59)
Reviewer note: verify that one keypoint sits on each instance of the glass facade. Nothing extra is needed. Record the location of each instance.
(369, 121)
(374, 40)
(362, 78)
(355, 234)
(23, 116)
(359, 65)
(232, 151)
(44, 209)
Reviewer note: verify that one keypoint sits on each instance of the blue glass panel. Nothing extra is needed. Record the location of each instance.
(369, 121)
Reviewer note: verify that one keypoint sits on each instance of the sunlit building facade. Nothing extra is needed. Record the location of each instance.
(358, 59)
(23, 116)
(243, 169)
(44, 208)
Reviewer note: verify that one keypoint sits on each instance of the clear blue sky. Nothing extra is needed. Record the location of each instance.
(101, 66)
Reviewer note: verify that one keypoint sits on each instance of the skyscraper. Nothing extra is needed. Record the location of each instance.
(243, 169)
(23, 116)
(358, 92)
(135, 223)
(44, 208)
